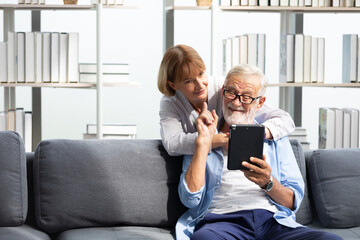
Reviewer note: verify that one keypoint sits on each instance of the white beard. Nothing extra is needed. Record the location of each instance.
(235, 117)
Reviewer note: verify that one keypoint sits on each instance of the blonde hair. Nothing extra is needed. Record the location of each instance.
(179, 63)
(247, 71)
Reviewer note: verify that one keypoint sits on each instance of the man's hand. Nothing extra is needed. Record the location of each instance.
(220, 140)
(258, 174)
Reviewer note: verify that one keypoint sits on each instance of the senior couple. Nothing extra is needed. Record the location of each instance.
(195, 114)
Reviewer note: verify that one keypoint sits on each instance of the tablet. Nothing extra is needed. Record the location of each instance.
(245, 141)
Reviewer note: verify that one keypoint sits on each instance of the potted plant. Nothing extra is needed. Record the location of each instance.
(203, 2)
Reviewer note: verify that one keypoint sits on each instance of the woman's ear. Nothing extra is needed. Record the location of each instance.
(172, 85)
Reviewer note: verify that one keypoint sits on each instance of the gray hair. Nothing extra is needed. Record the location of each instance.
(246, 71)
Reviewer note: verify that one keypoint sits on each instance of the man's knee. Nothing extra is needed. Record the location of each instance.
(202, 234)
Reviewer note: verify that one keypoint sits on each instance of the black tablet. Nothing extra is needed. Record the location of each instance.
(245, 141)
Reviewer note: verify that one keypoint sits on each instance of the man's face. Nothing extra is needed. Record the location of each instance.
(236, 112)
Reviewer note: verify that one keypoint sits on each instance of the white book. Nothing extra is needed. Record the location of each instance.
(307, 58)
(321, 60)
(314, 60)
(114, 129)
(106, 78)
(301, 3)
(2, 121)
(261, 50)
(227, 55)
(339, 115)
(308, 3)
(315, 3)
(10, 118)
(122, 68)
(63, 46)
(38, 57)
(252, 2)
(244, 2)
(252, 48)
(54, 63)
(28, 132)
(354, 126)
(30, 57)
(235, 52)
(284, 3)
(328, 3)
(321, 3)
(20, 121)
(243, 48)
(349, 3)
(34, 2)
(235, 2)
(336, 3)
(264, 3)
(299, 58)
(73, 57)
(294, 3)
(357, 3)
(349, 58)
(3, 62)
(326, 128)
(225, 3)
(11, 57)
(342, 3)
(346, 129)
(20, 57)
(287, 48)
(274, 3)
(46, 56)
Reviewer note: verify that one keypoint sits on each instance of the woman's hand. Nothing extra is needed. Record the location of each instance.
(206, 125)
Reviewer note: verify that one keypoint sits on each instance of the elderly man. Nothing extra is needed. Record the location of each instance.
(259, 203)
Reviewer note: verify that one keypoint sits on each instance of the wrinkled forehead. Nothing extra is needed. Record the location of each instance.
(242, 83)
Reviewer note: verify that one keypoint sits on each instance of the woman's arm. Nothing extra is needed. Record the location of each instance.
(277, 121)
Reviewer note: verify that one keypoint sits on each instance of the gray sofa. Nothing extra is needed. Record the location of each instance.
(127, 189)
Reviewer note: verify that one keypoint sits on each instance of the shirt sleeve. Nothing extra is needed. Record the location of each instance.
(277, 121)
(175, 140)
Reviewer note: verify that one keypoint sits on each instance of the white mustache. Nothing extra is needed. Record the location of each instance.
(239, 108)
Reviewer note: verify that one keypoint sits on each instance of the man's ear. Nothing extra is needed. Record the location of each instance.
(261, 102)
(172, 85)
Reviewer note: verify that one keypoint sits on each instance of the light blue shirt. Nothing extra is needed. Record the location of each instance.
(284, 168)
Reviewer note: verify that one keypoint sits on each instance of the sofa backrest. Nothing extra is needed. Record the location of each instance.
(89, 183)
(13, 184)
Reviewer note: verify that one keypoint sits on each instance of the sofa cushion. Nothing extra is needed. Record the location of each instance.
(304, 213)
(118, 233)
(23, 232)
(90, 183)
(13, 187)
(334, 177)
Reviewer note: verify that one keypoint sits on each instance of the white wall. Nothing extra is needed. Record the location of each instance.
(135, 36)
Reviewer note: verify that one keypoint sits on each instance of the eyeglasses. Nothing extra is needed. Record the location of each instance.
(245, 99)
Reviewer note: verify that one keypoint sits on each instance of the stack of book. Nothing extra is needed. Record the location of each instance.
(108, 2)
(350, 58)
(39, 57)
(338, 128)
(300, 135)
(111, 131)
(19, 121)
(244, 49)
(302, 59)
(112, 72)
(31, 1)
(292, 3)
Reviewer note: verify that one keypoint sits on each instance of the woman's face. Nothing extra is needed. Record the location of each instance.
(194, 88)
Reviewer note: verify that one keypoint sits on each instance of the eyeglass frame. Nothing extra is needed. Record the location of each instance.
(239, 96)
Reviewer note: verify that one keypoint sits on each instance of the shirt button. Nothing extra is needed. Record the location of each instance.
(218, 183)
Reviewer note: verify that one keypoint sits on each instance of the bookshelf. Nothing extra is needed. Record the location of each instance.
(9, 88)
(291, 22)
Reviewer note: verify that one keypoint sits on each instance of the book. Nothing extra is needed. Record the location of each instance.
(28, 131)
(349, 3)
(30, 57)
(2, 121)
(307, 58)
(244, 2)
(11, 62)
(243, 59)
(225, 3)
(274, 3)
(321, 60)
(63, 46)
(20, 57)
(54, 62)
(349, 58)
(10, 118)
(73, 57)
(3, 62)
(261, 49)
(287, 42)
(253, 3)
(294, 3)
(38, 57)
(315, 3)
(122, 68)
(235, 2)
(326, 128)
(308, 3)
(20, 121)
(46, 57)
(357, 3)
(346, 129)
(227, 55)
(106, 78)
(113, 129)
(354, 126)
(252, 48)
(339, 115)
(299, 58)
(314, 60)
(284, 3)
(235, 52)
(264, 3)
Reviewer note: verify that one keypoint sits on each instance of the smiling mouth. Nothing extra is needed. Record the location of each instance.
(200, 92)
